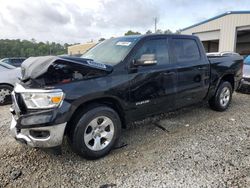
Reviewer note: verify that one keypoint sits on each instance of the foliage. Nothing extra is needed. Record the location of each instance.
(149, 32)
(132, 33)
(101, 39)
(168, 31)
(25, 48)
(178, 31)
(159, 31)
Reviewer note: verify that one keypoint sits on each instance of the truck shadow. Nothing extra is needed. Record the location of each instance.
(164, 126)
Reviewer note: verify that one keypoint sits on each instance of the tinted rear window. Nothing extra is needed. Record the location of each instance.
(186, 50)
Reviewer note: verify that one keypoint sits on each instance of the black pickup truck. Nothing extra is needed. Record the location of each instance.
(91, 98)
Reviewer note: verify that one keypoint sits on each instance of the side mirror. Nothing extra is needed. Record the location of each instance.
(145, 60)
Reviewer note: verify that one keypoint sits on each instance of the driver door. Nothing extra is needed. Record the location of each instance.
(152, 87)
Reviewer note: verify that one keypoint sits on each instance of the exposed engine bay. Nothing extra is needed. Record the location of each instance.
(51, 70)
(62, 72)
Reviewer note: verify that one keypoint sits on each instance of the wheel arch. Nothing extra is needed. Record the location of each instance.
(6, 84)
(104, 101)
(229, 78)
(215, 85)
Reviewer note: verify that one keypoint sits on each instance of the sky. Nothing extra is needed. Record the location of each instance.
(78, 21)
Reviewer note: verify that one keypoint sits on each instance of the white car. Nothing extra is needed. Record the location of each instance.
(8, 77)
(245, 83)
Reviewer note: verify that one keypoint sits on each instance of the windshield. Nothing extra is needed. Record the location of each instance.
(111, 51)
(247, 60)
(7, 66)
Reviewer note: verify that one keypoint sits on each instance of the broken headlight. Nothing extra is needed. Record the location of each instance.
(42, 100)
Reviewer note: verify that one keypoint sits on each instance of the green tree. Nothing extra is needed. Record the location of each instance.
(159, 31)
(101, 39)
(132, 33)
(178, 31)
(168, 31)
(148, 32)
(26, 48)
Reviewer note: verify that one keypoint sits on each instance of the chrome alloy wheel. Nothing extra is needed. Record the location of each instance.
(225, 96)
(4, 92)
(99, 133)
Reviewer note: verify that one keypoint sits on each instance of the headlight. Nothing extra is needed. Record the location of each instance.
(42, 100)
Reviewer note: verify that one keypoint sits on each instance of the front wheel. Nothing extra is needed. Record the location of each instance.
(96, 132)
(5, 94)
(222, 98)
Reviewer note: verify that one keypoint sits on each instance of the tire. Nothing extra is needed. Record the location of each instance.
(222, 98)
(5, 94)
(95, 132)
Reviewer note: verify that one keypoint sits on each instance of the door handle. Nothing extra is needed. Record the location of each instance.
(202, 68)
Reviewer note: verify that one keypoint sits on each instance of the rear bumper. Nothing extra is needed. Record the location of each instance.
(245, 82)
(54, 135)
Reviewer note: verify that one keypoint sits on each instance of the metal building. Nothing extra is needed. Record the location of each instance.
(80, 48)
(226, 32)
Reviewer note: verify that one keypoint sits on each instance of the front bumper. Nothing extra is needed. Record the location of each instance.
(38, 128)
(53, 137)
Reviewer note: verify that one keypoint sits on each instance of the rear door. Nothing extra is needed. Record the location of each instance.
(192, 70)
(152, 88)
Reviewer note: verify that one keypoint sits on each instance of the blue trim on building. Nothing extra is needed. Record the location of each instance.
(216, 17)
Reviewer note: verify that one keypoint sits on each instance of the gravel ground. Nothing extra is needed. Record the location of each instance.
(192, 147)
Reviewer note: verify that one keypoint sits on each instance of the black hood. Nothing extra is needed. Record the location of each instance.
(34, 67)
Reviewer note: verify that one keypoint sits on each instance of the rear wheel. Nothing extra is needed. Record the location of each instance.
(222, 98)
(5, 94)
(96, 132)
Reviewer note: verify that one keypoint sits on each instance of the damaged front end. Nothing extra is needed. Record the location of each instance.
(39, 110)
(40, 72)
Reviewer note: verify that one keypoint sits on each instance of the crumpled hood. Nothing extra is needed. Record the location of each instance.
(34, 67)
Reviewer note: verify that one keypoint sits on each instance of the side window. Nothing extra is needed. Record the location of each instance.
(6, 61)
(16, 62)
(186, 50)
(13, 62)
(21, 60)
(158, 47)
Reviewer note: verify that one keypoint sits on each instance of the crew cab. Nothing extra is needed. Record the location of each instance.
(91, 98)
